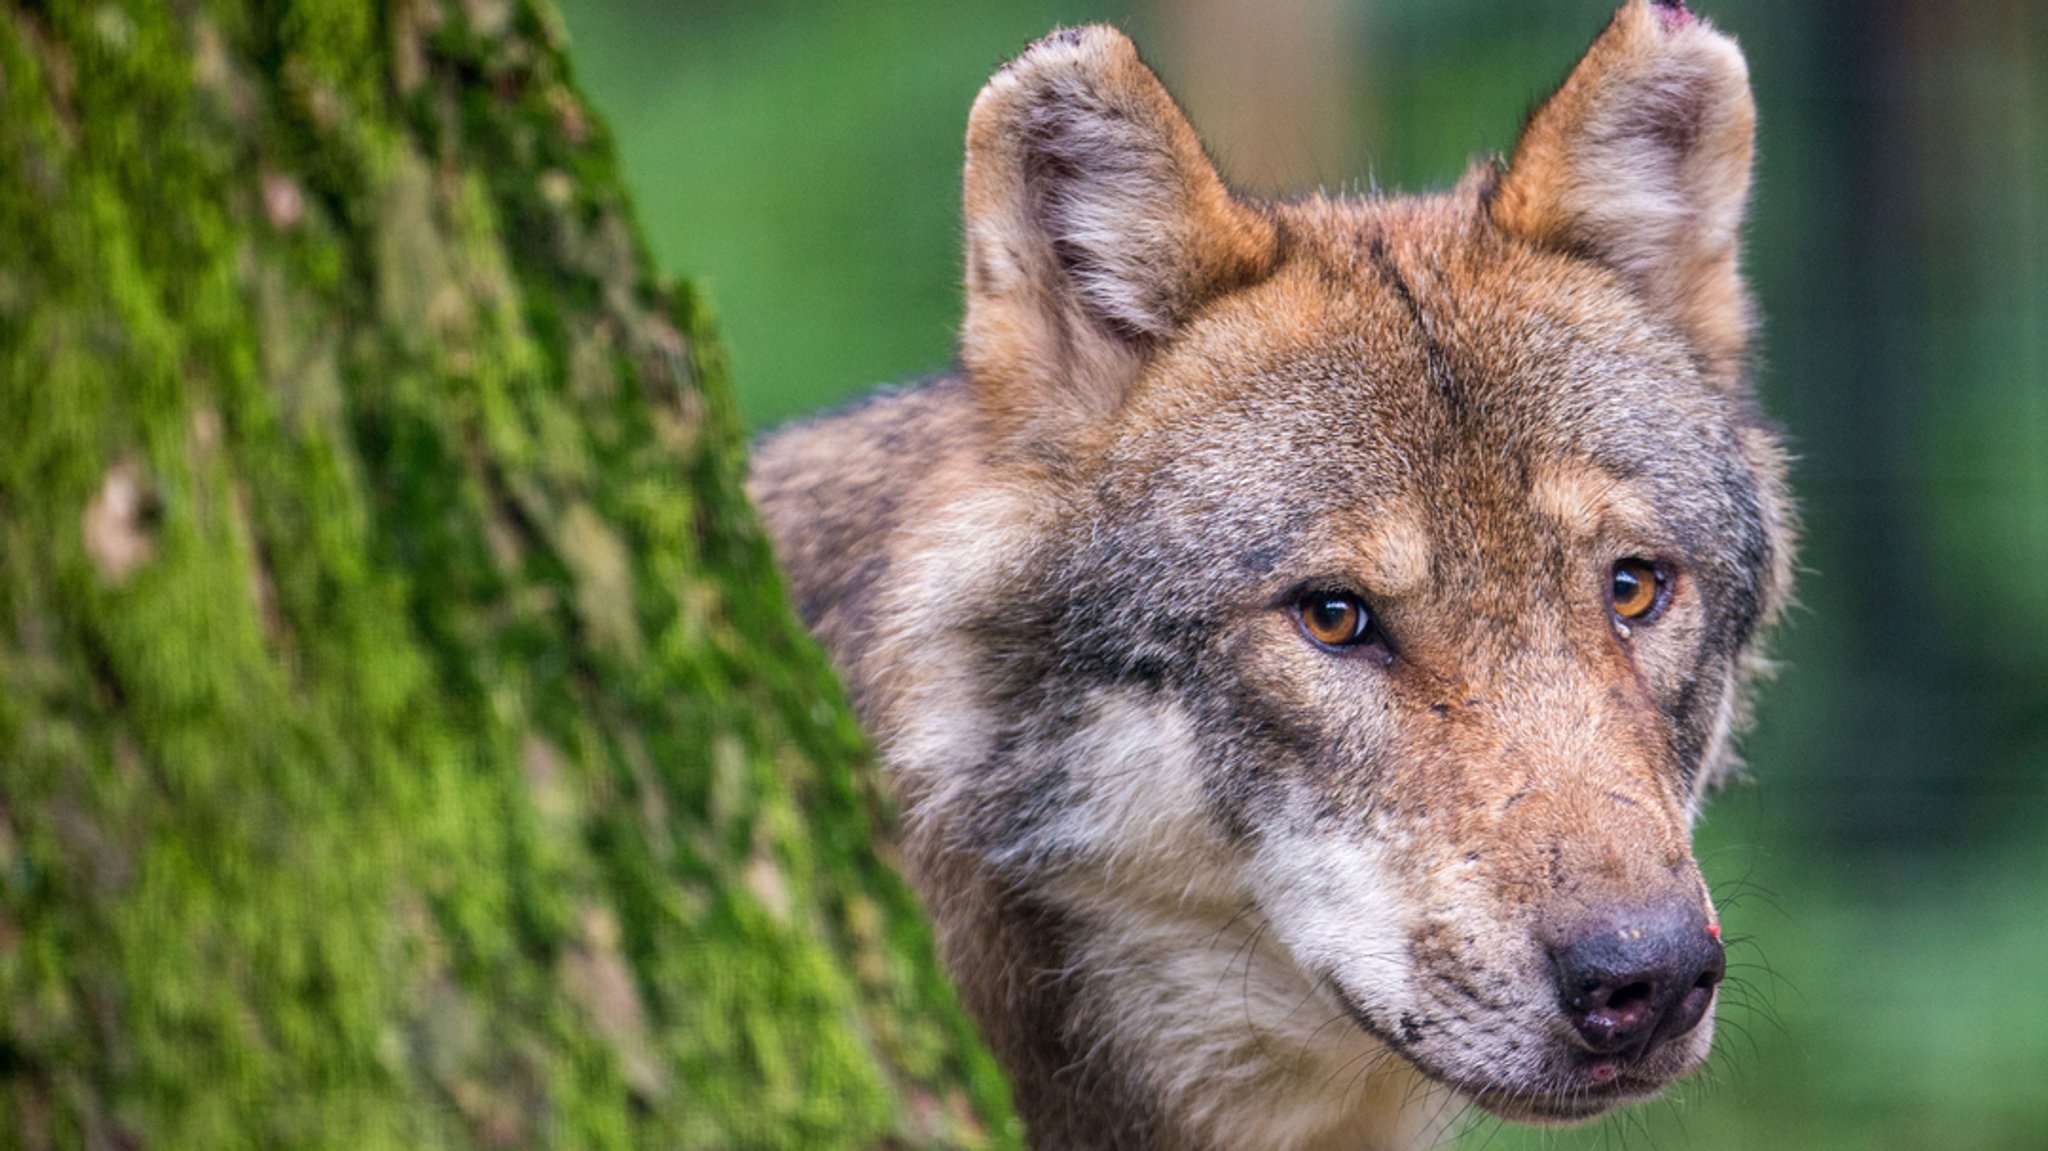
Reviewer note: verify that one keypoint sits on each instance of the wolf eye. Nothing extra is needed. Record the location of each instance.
(1336, 620)
(1638, 589)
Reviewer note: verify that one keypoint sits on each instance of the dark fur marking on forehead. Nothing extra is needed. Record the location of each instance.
(1441, 376)
(1260, 560)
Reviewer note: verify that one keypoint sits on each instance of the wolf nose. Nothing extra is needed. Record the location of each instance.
(1639, 978)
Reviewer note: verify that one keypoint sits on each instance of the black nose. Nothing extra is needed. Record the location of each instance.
(1640, 977)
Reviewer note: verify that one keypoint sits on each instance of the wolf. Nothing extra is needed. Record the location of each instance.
(1300, 635)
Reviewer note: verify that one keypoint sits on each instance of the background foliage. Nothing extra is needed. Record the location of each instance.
(1883, 875)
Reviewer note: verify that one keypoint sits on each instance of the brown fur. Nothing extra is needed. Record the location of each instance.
(1167, 840)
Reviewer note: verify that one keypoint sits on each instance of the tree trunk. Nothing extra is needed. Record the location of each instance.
(404, 742)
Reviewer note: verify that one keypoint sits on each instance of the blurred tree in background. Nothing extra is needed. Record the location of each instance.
(403, 740)
(1886, 869)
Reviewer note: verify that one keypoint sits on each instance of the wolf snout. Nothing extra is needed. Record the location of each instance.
(1638, 978)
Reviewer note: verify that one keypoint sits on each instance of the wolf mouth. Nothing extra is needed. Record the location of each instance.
(1568, 1105)
(1568, 1102)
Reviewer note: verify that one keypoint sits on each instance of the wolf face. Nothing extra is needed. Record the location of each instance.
(1301, 634)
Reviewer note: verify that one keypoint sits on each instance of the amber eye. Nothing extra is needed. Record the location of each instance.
(1334, 619)
(1637, 590)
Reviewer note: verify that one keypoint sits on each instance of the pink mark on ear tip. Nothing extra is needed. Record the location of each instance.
(1714, 929)
(1674, 13)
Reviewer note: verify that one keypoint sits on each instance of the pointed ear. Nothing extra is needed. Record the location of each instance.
(1096, 227)
(1641, 161)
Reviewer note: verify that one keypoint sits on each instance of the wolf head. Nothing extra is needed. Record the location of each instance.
(1305, 667)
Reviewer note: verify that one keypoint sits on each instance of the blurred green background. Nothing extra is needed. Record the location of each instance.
(1885, 876)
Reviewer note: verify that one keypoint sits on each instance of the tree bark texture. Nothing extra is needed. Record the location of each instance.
(404, 741)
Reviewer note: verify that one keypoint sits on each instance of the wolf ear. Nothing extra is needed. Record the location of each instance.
(1096, 227)
(1641, 161)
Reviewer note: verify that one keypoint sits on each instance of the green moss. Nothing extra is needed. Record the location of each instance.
(449, 770)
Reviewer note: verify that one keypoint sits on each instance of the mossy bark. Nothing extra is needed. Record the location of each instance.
(404, 742)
